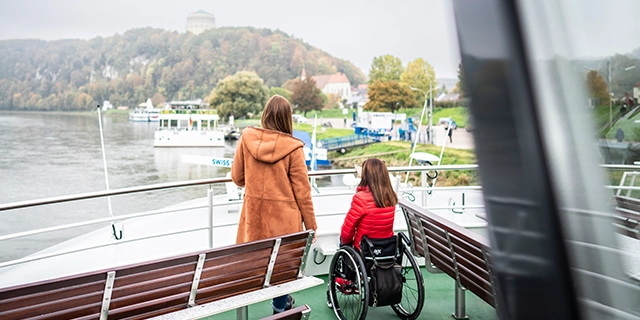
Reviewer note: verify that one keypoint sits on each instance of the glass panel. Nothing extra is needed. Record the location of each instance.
(583, 58)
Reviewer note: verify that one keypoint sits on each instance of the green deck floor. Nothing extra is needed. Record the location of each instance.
(439, 303)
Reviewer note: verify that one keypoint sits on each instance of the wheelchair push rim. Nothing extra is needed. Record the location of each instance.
(412, 288)
(348, 297)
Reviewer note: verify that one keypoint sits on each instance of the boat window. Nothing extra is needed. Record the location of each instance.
(582, 56)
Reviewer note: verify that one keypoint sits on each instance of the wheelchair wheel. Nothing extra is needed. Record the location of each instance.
(412, 288)
(348, 285)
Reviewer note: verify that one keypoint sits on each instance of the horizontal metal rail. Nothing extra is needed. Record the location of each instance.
(191, 183)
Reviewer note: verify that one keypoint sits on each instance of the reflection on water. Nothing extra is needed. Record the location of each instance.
(56, 154)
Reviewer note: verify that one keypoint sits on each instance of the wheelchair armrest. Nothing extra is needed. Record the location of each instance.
(405, 239)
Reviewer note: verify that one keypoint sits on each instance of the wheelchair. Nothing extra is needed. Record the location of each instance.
(350, 281)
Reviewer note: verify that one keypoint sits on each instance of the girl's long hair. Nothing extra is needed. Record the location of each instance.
(376, 176)
(277, 115)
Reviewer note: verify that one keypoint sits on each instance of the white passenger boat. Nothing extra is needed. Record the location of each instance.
(188, 130)
(145, 113)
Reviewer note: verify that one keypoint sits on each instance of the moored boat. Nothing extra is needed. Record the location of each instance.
(145, 113)
(187, 124)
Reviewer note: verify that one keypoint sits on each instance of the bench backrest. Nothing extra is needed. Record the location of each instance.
(460, 253)
(627, 217)
(162, 286)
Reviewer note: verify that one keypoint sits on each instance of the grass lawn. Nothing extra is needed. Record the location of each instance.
(323, 132)
(396, 153)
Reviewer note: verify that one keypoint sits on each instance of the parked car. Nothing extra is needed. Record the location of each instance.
(445, 122)
(299, 118)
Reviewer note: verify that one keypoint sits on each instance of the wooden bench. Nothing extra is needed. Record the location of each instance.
(221, 279)
(627, 216)
(298, 313)
(456, 251)
(627, 221)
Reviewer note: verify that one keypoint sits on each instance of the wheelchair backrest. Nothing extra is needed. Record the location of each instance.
(381, 251)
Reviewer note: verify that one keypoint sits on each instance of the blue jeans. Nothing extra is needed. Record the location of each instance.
(279, 303)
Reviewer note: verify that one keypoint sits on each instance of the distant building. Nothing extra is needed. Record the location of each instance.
(200, 21)
(303, 75)
(448, 97)
(106, 105)
(336, 83)
(359, 96)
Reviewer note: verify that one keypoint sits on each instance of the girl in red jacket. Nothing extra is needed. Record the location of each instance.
(373, 206)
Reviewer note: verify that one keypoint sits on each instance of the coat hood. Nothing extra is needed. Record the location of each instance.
(269, 145)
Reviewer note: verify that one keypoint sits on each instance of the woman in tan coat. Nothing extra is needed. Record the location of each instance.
(269, 164)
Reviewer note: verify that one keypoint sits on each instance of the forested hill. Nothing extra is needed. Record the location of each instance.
(143, 63)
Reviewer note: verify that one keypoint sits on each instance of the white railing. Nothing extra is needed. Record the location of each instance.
(211, 205)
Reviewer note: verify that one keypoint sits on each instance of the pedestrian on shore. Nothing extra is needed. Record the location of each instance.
(269, 163)
(619, 135)
(450, 133)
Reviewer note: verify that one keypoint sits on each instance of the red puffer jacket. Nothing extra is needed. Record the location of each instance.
(365, 219)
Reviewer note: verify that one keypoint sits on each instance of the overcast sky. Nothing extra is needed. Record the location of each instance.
(355, 30)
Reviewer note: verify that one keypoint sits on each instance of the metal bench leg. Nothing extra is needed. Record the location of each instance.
(242, 313)
(461, 310)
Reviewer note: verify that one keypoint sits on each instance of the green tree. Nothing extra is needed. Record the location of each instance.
(389, 96)
(281, 91)
(306, 96)
(596, 86)
(385, 68)
(240, 95)
(419, 74)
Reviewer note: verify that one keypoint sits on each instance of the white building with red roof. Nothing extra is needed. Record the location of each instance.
(336, 83)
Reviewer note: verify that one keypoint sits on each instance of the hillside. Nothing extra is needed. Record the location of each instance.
(141, 63)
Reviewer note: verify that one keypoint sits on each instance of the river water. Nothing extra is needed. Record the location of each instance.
(55, 154)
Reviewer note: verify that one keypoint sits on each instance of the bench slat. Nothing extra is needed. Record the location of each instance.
(445, 239)
(487, 296)
(153, 288)
(470, 267)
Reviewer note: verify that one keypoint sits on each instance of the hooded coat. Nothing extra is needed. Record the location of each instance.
(270, 166)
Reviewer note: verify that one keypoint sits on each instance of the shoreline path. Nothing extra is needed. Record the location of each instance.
(462, 139)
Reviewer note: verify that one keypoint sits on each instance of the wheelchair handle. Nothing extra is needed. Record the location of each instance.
(405, 239)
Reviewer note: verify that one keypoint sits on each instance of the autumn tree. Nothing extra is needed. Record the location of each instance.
(281, 91)
(306, 96)
(385, 68)
(389, 96)
(240, 95)
(158, 99)
(596, 86)
(419, 74)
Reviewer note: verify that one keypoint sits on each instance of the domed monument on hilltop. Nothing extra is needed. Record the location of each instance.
(200, 21)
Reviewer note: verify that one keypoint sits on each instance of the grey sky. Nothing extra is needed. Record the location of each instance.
(356, 30)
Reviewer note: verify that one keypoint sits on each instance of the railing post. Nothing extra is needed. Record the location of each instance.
(423, 175)
(210, 196)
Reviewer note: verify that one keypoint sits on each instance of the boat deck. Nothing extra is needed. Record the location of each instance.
(439, 303)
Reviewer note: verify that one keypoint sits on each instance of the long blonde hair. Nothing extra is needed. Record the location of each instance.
(376, 176)
(277, 115)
